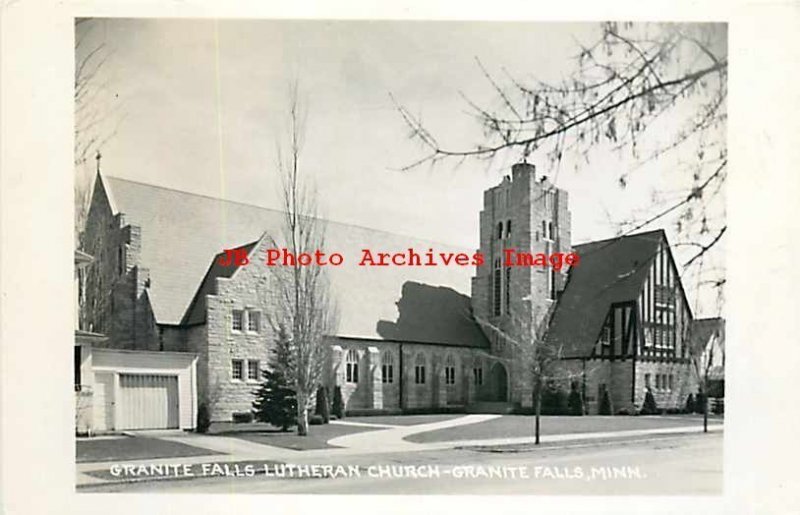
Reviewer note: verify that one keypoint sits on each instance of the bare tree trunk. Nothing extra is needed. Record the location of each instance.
(302, 414)
(705, 410)
(538, 407)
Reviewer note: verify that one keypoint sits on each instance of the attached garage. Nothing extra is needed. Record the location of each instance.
(138, 390)
(148, 401)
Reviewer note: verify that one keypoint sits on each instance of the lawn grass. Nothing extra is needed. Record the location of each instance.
(514, 426)
(133, 448)
(265, 434)
(403, 420)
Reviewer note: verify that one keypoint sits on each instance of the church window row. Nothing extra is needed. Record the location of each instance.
(664, 382)
(387, 368)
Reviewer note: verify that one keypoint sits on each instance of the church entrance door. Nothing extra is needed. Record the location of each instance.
(498, 379)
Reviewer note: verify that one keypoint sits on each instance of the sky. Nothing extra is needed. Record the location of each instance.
(200, 106)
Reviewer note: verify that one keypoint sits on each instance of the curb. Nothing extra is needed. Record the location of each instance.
(579, 443)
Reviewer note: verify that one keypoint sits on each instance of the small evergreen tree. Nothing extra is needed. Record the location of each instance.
(700, 403)
(554, 401)
(323, 408)
(605, 404)
(649, 407)
(275, 401)
(338, 403)
(575, 400)
(689, 404)
(203, 418)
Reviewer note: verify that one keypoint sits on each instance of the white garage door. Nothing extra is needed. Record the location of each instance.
(148, 401)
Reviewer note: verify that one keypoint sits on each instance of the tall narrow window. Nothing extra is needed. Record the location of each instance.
(238, 320)
(508, 229)
(351, 366)
(551, 277)
(121, 260)
(253, 369)
(550, 230)
(387, 367)
(419, 369)
(77, 365)
(496, 283)
(237, 369)
(477, 376)
(450, 370)
(253, 320)
(508, 289)
(500, 231)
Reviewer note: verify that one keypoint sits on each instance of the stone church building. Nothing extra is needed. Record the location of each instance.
(410, 338)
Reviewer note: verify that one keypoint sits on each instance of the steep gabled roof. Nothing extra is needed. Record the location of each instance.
(610, 271)
(701, 331)
(182, 233)
(196, 313)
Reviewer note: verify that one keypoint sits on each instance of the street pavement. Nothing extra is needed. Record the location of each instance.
(386, 445)
(658, 465)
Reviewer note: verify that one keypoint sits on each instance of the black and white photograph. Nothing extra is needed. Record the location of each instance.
(403, 258)
(400, 257)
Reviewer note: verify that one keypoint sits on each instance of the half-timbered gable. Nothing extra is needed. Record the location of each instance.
(621, 323)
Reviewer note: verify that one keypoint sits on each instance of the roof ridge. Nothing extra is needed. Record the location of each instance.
(328, 220)
(633, 235)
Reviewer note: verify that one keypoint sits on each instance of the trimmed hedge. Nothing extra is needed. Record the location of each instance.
(605, 405)
(338, 403)
(649, 407)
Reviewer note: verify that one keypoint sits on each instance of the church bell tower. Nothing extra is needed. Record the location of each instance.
(527, 214)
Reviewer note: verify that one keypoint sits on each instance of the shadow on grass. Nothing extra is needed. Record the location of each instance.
(266, 434)
(134, 448)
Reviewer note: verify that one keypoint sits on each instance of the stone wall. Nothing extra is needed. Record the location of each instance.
(116, 301)
(248, 289)
(684, 382)
(371, 393)
(528, 204)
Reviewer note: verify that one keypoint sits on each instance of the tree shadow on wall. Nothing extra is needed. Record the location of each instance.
(433, 314)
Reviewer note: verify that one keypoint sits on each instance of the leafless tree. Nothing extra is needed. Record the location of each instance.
(304, 303)
(650, 90)
(96, 115)
(701, 358)
(543, 358)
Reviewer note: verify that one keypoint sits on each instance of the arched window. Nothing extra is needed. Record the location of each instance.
(387, 367)
(351, 367)
(450, 370)
(477, 374)
(419, 369)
